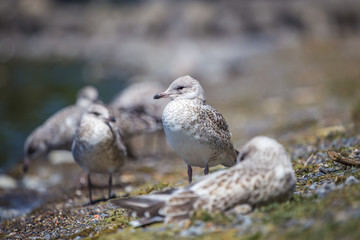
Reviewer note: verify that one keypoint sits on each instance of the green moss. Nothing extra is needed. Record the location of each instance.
(117, 218)
(216, 218)
(148, 188)
(301, 170)
(298, 207)
(130, 234)
(332, 230)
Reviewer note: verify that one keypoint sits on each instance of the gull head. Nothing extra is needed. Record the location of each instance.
(183, 88)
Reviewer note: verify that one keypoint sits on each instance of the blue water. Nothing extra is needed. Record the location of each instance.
(30, 91)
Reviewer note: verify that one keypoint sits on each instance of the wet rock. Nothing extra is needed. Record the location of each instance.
(323, 170)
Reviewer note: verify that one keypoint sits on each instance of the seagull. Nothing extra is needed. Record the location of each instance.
(196, 131)
(262, 175)
(57, 132)
(98, 146)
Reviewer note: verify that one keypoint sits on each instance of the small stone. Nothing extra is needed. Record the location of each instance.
(313, 186)
(325, 189)
(7, 182)
(243, 220)
(78, 192)
(351, 180)
(323, 170)
(129, 188)
(195, 230)
(357, 152)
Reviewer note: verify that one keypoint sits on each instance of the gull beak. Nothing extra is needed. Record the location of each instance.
(161, 95)
(111, 119)
(26, 164)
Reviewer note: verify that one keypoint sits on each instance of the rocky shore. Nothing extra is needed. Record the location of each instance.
(291, 72)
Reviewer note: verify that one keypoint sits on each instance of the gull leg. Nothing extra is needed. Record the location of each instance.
(89, 186)
(110, 184)
(206, 169)
(189, 172)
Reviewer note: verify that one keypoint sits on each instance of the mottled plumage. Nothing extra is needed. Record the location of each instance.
(58, 131)
(97, 146)
(264, 174)
(196, 131)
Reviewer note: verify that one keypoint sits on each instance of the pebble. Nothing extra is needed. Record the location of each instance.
(243, 220)
(195, 230)
(351, 180)
(7, 182)
(325, 189)
(313, 186)
(357, 152)
(323, 170)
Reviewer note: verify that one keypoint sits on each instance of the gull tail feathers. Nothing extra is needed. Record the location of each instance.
(148, 207)
(180, 207)
(144, 207)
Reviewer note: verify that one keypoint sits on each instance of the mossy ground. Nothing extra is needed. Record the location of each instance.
(335, 216)
(307, 138)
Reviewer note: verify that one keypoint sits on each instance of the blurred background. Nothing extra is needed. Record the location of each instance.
(269, 66)
(278, 68)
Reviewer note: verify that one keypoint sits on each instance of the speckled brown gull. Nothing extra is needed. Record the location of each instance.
(264, 174)
(57, 132)
(98, 146)
(196, 131)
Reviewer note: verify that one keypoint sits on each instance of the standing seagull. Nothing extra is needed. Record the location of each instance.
(57, 132)
(195, 130)
(97, 146)
(264, 174)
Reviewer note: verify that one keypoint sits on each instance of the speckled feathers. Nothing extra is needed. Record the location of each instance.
(264, 175)
(195, 130)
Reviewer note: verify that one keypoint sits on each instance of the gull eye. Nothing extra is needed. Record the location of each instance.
(180, 88)
(96, 113)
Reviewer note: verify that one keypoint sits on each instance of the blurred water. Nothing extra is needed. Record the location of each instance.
(30, 91)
